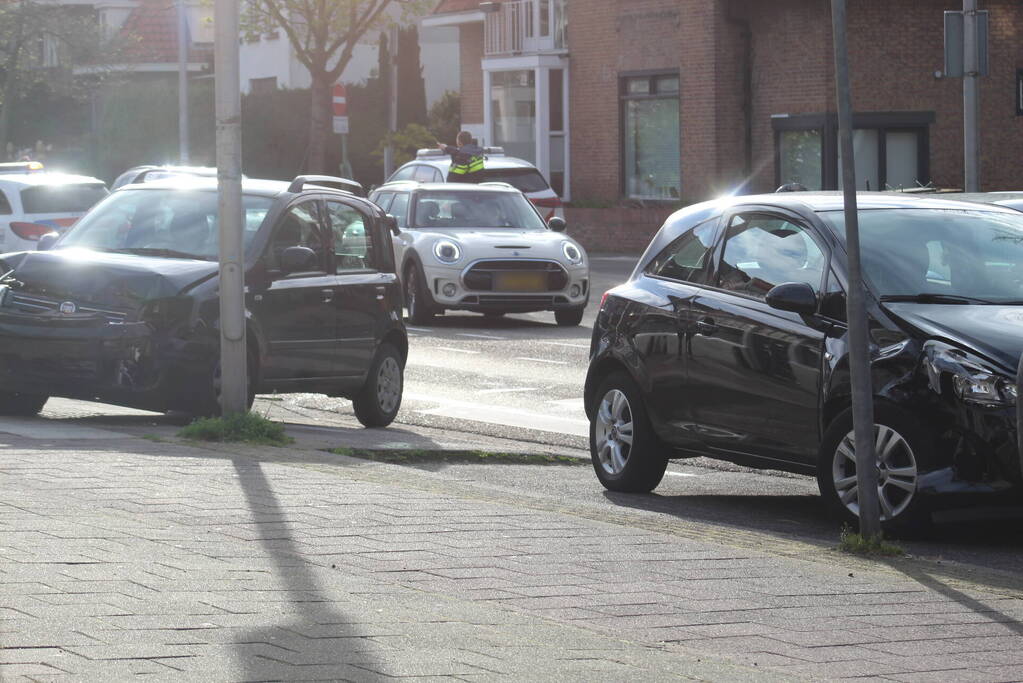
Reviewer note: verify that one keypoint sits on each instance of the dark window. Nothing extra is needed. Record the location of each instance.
(833, 301)
(651, 136)
(423, 174)
(399, 209)
(5, 206)
(891, 150)
(686, 258)
(556, 98)
(404, 173)
(522, 179)
(762, 251)
(62, 198)
(298, 228)
(353, 241)
(262, 86)
(383, 200)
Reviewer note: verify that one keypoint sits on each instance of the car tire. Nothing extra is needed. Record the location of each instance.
(569, 317)
(209, 404)
(21, 405)
(905, 447)
(417, 299)
(377, 404)
(627, 456)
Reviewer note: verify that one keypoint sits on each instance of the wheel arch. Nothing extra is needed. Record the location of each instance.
(596, 373)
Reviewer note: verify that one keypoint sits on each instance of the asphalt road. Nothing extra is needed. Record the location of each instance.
(519, 376)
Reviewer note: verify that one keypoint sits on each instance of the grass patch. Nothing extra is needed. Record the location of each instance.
(244, 427)
(875, 546)
(417, 456)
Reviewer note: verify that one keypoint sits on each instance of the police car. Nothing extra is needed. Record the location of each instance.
(432, 165)
(34, 202)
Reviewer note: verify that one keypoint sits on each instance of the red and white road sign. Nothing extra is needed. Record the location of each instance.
(340, 108)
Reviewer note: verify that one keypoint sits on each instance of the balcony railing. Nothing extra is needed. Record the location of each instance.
(525, 26)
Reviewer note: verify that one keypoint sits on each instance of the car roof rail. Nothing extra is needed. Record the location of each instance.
(429, 152)
(332, 182)
(494, 151)
(21, 167)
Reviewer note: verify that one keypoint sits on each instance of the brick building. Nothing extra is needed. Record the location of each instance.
(684, 99)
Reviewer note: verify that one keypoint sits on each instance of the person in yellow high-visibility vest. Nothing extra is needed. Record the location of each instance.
(467, 159)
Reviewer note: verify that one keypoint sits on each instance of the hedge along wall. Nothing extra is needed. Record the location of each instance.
(616, 230)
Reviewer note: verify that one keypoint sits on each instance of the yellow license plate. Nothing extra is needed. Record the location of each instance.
(520, 282)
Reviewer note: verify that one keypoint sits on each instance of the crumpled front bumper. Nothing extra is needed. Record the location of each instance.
(89, 357)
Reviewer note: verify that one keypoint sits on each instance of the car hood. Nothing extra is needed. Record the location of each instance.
(993, 331)
(123, 281)
(526, 242)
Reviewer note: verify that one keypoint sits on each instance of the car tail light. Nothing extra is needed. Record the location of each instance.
(604, 298)
(31, 231)
(551, 203)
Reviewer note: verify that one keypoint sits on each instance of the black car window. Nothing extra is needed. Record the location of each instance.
(686, 258)
(66, 198)
(423, 174)
(404, 173)
(522, 179)
(5, 205)
(299, 227)
(833, 301)
(762, 251)
(353, 240)
(383, 200)
(399, 209)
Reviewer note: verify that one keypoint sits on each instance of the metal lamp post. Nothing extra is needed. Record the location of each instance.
(233, 370)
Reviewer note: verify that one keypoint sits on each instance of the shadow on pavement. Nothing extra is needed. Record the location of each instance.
(317, 642)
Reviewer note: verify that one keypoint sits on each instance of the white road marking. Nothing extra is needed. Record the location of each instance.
(542, 360)
(681, 474)
(416, 329)
(505, 391)
(570, 403)
(508, 417)
(573, 346)
(448, 348)
(479, 336)
(41, 428)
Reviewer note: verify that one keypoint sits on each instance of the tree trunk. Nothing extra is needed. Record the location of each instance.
(320, 126)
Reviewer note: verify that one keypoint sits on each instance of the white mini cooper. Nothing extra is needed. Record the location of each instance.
(482, 248)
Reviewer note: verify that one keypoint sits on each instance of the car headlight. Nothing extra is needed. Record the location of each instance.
(979, 387)
(447, 251)
(572, 252)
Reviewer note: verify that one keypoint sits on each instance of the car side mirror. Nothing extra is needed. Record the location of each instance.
(557, 224)
(47, 241)
(797, 297)
(297, 259)
(392, 224)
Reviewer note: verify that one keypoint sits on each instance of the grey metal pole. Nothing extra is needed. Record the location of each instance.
(392, 102)
(971, 136)
(182, 83)
(233, 396)
(856, 309)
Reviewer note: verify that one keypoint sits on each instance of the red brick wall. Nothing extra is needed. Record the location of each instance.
(615, 230)
(470, 41)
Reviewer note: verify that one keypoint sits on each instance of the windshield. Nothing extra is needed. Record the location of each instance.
(967, 254)
(173, 223)
(68, 198)
(475, 209)
(522, 179)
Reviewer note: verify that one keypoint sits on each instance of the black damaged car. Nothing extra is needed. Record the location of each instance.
(124, 307)
(729, 341)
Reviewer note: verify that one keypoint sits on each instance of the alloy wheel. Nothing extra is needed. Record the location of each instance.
(613, 431)
(410, 291)
(388, 385)
(896, 472)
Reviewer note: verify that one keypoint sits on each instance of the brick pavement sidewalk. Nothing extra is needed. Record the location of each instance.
(133, 557)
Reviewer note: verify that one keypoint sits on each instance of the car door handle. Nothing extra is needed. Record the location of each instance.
(381, 292)
(328, 295)
(706, 327)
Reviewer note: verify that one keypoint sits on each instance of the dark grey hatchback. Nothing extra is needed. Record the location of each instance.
(729, 341)
(124, 308)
